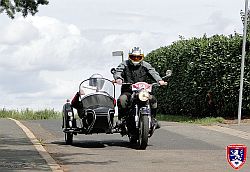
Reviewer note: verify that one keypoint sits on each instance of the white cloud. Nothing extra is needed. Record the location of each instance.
(18, 32)
(49, 47)
(31, 46)
(50, 64)
(146, 40)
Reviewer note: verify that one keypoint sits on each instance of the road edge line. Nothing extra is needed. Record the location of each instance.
(229, 131)
(55, 167)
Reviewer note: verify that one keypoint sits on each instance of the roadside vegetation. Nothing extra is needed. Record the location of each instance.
(28, 114)
(24, 7)
(190, 119)
(206, 76)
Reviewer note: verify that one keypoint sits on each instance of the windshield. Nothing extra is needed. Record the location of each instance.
(97, 85)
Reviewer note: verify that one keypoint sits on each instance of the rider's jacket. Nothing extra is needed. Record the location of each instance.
(139, 73)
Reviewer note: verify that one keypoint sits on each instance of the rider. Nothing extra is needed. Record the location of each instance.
(131, 71)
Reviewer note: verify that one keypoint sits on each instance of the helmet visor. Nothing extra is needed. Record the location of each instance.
(136, 58)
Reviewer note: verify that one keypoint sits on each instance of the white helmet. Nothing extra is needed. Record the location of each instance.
(96, 80)
(136, 55)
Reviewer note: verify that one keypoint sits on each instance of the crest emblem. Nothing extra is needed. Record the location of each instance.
(236, 155)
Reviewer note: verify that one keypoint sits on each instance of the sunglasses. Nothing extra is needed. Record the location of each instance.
(136, 58)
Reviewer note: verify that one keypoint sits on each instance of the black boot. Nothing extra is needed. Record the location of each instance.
(156, 123)
(121, 115)
(154, 120)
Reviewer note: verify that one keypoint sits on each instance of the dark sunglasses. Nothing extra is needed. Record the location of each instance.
(136, 58)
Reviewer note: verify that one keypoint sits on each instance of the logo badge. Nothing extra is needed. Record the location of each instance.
(236, 155)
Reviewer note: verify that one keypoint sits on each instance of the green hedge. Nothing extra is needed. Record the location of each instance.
(202, 67)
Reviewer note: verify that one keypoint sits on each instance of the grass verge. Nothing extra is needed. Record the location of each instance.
(28, 114)
(186, 119)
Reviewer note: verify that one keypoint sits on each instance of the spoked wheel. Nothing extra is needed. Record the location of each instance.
(68, 138)
(143, 133)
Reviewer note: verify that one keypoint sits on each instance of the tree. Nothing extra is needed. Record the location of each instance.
(11, 7)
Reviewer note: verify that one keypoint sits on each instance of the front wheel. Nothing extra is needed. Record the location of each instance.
(68, 138)
(143, 132)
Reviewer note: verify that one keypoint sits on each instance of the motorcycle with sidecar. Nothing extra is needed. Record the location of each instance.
(96, 112)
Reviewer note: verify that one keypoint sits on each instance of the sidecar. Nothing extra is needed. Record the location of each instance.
(95, 109)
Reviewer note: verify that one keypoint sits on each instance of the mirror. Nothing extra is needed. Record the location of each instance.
(113, 71)
(168, 73)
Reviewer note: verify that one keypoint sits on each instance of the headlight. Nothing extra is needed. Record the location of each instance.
(70, 114)
(144, 95)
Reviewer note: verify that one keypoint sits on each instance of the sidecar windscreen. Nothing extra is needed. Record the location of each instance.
(97, 92)
(95, 85)
(95, 100)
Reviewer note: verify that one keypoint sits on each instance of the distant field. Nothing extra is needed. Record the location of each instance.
(28, 114)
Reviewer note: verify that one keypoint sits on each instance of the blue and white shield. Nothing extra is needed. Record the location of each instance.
(236, 155)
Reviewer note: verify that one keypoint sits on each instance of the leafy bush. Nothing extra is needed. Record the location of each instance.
(206, 76)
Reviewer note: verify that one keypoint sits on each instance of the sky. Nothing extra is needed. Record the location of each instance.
(43, 58)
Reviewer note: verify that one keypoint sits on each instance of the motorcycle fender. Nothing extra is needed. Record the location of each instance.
(145, 111)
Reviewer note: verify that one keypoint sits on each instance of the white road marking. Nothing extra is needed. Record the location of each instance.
(229, 131)
(46, 156)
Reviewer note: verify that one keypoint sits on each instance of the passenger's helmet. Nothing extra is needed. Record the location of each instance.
(96, 80)
(136, 55)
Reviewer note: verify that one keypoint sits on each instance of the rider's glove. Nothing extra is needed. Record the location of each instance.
(161, 82)
(119, 81)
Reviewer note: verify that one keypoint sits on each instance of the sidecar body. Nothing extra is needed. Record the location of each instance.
(95, 109)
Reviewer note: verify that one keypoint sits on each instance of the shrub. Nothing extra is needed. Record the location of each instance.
(206, 76)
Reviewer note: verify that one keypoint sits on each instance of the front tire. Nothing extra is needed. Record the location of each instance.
(143, 132)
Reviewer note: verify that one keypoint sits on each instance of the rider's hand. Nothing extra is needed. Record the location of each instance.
(161, 82)
(81, 92)
(119, 81)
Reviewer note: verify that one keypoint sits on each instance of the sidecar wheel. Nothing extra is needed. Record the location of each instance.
(133, 140)
(143, 132)
(68, 138)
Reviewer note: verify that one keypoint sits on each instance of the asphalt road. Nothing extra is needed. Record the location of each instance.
(17, 153)
(174, 147)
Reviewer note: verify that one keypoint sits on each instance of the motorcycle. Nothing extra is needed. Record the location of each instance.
(139, 124)
(96, 112)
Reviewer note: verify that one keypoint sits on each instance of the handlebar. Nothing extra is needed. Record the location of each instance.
(157, 84)
(129, 83)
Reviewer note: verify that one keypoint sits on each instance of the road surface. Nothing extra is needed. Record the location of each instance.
(174, 147)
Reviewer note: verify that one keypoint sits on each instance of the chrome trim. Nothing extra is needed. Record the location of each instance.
(94, 119)
(136, 116)
(109, 121)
